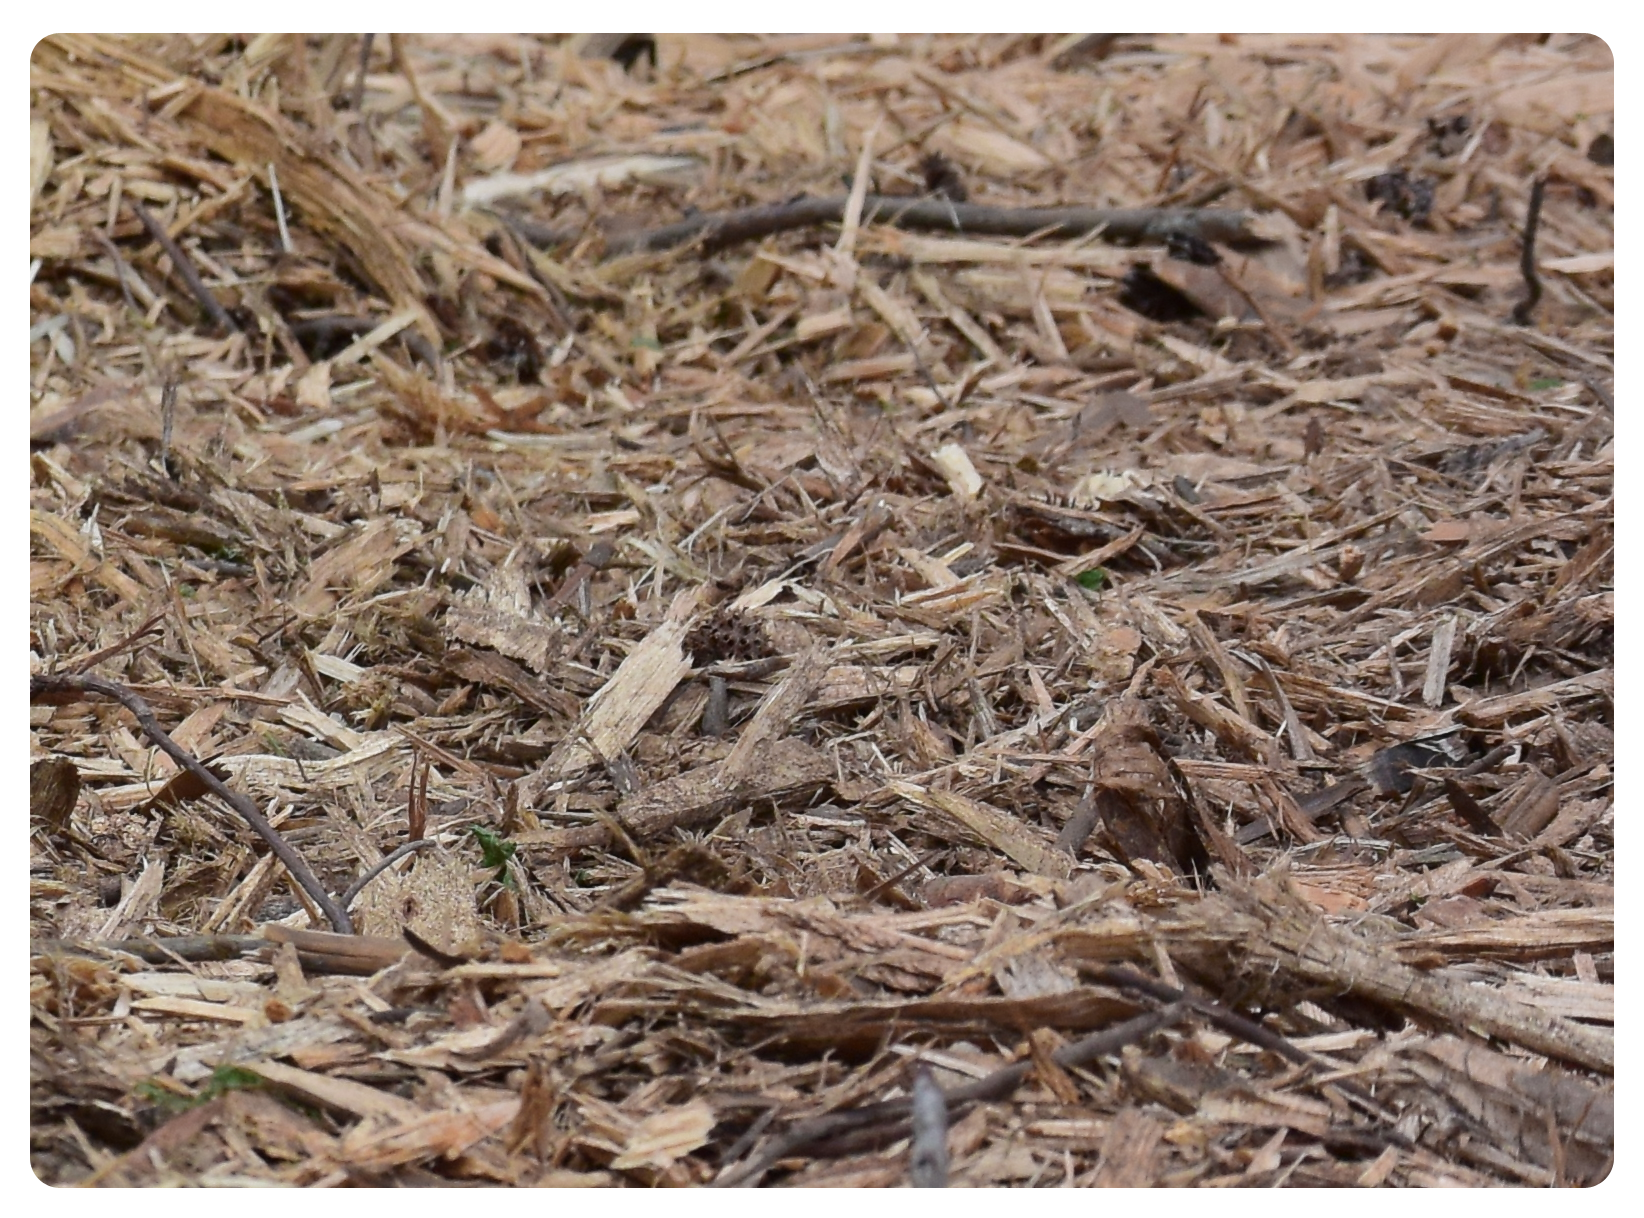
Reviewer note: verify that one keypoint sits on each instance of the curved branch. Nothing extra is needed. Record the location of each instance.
(388, 860)
(51, 683)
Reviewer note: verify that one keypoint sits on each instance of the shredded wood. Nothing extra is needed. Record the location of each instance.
(977, 610)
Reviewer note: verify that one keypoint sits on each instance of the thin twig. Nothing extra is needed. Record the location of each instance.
(924, 371)
(51, 683)
(903, 874)
(416, 801)
(895, 1115)
(1527, 256)
(531, 231)
(359, 82)
(387, 861)
(185, 268)
(168, 416)
(151, 624)
(750, 1135)
(765, 61)
(155, 950)
(1238, 1025)
(595, 560)
(1262, 315)
(119, 267)
(1227, 1020)
(279, 207)
(1124, 224)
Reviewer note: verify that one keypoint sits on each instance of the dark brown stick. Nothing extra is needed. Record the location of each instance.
(318, 951)
(895, 1115)
(120, 268)
(192, 948)
(923, 861)
(168, 420)
(1262, 315)
(185, 267)
(719, 229)
(51, 683)
(539, 235)
(319, 330)
(416, 803)
(1236, 1025)
(1527, 256)
(388, 860)
(1228, 1021)
(599, 554)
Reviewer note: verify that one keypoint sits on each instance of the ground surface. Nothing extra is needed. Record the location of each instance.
(820, 652)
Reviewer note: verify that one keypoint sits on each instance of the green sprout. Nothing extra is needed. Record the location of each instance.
(495, 851)
(223, 1080)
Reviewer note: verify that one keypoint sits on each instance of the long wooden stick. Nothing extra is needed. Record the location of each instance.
(891, 1119)
(1117, 224)
(54, 683)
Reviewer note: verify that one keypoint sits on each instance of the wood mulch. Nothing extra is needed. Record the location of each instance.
(868, 682)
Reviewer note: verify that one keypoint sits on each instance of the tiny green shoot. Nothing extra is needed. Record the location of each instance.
(495, 850)
(223, 1080)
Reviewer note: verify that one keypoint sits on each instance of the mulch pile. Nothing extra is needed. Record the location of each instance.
(854, 680)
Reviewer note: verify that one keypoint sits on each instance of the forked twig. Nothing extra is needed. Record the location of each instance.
(53, 683)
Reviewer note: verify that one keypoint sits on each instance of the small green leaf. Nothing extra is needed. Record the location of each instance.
(224, 1079)
(495, 850)
(1093, 579)
(230, 1078)
(167, 1101)
(1546, 382)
